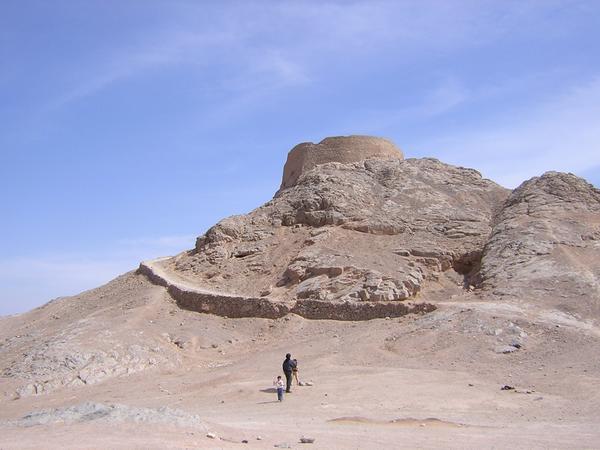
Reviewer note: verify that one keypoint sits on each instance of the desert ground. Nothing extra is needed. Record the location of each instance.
(426, 381)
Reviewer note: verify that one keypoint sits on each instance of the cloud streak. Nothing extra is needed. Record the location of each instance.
(27, 282)
(172, 48)
(170, 244)
(289, 44)
(560, 133)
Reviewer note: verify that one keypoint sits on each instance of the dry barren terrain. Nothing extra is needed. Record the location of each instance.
(427, 306)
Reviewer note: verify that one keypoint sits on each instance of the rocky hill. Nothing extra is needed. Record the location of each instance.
(545, 245)
(348, 239)
(442, 286)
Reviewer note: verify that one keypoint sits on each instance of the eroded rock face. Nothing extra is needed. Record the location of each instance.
(385, 230)
(85, 340)
(55, 364)
(110, 413)
(376, 230)
(342, 149)
(546, 245)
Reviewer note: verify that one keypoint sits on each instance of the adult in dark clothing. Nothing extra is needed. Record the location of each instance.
(288, 367)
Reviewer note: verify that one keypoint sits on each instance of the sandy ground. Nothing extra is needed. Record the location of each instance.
(430, 381)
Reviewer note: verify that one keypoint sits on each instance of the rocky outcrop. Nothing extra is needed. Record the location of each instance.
(98, 335)
(342, 149)
(359, 227)
(347, 233)
(545, 245)
(109, 413)
(59, 363)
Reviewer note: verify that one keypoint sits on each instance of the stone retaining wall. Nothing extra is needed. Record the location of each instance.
(316, 309)
(239, 306)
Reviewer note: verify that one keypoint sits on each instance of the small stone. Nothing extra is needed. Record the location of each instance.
(307, 440)
(259, 438)
(244, 441)
(505, 349)
(211, 435)
(524, 391)
(506, 387)
(180, 343)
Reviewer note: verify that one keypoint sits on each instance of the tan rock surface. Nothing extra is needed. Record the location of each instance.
(546, 245)
(371, 231)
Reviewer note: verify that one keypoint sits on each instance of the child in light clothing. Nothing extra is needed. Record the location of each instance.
(280, 385)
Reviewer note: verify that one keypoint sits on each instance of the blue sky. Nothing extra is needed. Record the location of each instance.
(129, 127)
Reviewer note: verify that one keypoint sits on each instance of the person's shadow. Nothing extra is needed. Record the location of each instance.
(269, 390)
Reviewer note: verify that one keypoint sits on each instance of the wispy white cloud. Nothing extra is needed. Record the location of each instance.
(360, 26)
(171, 48)
(285, 70)
(30, 282)
(441, 98)
(171, 244)
(560, 133)
(27, 282)
(290, 44)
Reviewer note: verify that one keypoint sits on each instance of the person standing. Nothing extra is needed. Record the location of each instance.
(278, 383)
(295, 372)
(288, 368)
